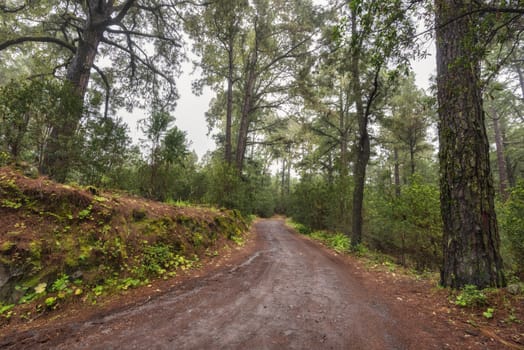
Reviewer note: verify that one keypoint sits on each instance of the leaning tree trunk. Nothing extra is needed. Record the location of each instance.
(470, 238)
(61, 146)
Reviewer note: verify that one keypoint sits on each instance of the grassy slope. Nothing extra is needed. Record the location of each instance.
(59, 242)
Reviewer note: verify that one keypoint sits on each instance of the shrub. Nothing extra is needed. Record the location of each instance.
(470, 296)
(408, 226)
(511, 220)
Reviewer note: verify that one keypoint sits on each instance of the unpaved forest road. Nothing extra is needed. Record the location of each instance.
(290, 294)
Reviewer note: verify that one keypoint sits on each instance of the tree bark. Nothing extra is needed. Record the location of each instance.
(362, 157)
(59, 151)
(412, 146)
(229, 108)
(247, 104)
(470, 238)
(501, 158)
(243, 130)
(396, 172)
(362, 147)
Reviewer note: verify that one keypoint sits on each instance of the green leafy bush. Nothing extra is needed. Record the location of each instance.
(488, 313)
(470, 296)
(511, 220)
(408, 226)
(337, 241)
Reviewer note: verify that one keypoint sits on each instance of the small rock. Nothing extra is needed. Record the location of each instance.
(514, 288)
(472, 332)
(77, 275)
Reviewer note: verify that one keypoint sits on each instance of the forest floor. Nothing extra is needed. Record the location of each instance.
(281, 291)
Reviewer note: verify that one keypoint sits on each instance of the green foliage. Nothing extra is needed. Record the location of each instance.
(29, 109)
(4, 158)
(488, 313)
(238, 240)
(129, 282)
(62, 286)
(51, 302)
(6, 203)
(408, 226)
(98, 290)
(85, 213)
(105, 148)
(252, 193)
(28, 294)
(337, 241)
(316, 204)
(298, 227)
(511, 220)
(6, 310)
(61, 283)
(159, 258)
(470, 296)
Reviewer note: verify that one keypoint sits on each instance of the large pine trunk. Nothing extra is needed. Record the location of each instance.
(470, 237)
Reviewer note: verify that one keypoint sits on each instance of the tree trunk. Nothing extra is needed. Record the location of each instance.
(60, 147)
(229, 109)
(396, 172)
(470, 238)
(412, 158)
(363, 153)
(362, 145)
(243, 130)
(247, 106)
(501, 160)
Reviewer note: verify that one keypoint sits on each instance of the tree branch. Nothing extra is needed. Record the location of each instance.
(6, 9)
(108, 89)
(43, 39)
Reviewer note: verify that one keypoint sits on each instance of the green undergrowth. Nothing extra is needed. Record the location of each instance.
(480, 306)
(372, 259)
(61, 244)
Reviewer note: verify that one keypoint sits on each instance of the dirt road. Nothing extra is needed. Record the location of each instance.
(289, 294)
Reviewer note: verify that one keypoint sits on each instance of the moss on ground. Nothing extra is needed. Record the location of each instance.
(94, 243)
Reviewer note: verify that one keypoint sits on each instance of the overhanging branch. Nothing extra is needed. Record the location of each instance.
(42, 39)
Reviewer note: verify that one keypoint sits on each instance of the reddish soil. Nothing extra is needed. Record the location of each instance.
(282, 292)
